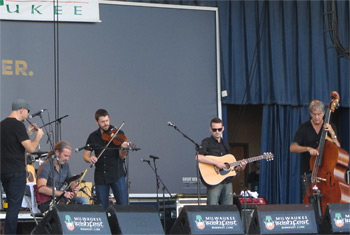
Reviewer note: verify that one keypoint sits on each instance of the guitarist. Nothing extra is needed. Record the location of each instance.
(63, 151)
(220, 194)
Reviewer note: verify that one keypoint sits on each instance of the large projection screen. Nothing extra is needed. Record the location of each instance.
(146, 64)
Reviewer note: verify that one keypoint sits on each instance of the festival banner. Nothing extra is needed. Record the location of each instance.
(48, 10)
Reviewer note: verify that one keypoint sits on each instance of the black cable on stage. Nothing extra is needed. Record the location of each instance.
(333, 29)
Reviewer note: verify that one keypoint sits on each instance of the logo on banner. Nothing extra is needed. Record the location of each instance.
(339, 220)
(286, 222)
(199, 222)
(269, 223)
(69, 223)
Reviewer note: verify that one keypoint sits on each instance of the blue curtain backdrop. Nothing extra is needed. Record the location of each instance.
(280, 54)
(276, 53)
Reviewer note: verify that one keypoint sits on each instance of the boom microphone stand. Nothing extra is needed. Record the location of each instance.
(126, 168)
(244, 209)
(52, 159)
(197, 147)
(164, 188)
(48, 133)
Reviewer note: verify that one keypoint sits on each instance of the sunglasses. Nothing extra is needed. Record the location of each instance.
(216, 129)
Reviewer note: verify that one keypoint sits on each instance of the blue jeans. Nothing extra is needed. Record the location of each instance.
(119, 191)
(80, 200)
(220, 194)
(14, 186)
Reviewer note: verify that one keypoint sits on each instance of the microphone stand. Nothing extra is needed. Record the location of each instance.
(126, 166)
(83, 190)
(164, 188)
(53, 199)
(197, 147)
(244, 215)
(56, 120)
(48, 133)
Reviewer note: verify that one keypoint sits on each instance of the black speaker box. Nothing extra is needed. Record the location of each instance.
(246, 217)
(134, 219)
(208, 220)
(25, 227)
(283, 219)
(74, 219)
(336, 219)
(170, 217)
(246, 207)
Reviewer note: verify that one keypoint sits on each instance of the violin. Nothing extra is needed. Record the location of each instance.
(118, 138)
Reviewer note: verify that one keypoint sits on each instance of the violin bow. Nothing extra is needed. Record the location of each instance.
(104, 149)
(82, 177)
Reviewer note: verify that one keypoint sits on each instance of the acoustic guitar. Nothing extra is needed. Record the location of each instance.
(212, 175)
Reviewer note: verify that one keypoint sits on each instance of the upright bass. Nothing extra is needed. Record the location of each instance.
(328, 183)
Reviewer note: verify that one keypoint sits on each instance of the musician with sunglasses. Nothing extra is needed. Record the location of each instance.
(220, 194)
(14, 142)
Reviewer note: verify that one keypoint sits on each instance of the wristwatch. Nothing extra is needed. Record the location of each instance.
(334, 137)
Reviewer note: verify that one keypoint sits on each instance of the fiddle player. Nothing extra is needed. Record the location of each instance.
(60, 172)
(220, 194)
(14, 142)
(109, 168)
(307, 137)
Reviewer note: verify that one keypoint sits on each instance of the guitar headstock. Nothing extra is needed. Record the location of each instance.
(268, 156)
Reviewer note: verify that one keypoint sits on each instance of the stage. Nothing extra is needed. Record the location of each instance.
(170, 206)
(184, 215)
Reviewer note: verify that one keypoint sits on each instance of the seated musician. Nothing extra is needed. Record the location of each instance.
(65, 192)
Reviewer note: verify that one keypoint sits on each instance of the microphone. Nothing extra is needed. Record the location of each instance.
(86, 147)
(82, 189)
(153, 157)
(37, 113)
(144, 160)
(171, 124)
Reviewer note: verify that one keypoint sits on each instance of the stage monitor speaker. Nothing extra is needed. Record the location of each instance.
(283, 219)
(134, 219)
(74, 219)
(208, 220)
(246, 206)
(336, 220)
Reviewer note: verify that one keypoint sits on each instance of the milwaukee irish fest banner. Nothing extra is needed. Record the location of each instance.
(48, 10)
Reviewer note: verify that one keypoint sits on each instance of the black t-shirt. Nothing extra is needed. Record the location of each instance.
(210, 146)
(109, 167)
(13, 132)
(307, 136)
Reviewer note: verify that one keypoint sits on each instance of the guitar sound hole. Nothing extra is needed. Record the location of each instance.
(227, 166)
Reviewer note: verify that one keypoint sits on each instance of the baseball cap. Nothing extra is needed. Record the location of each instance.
(20, 103)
